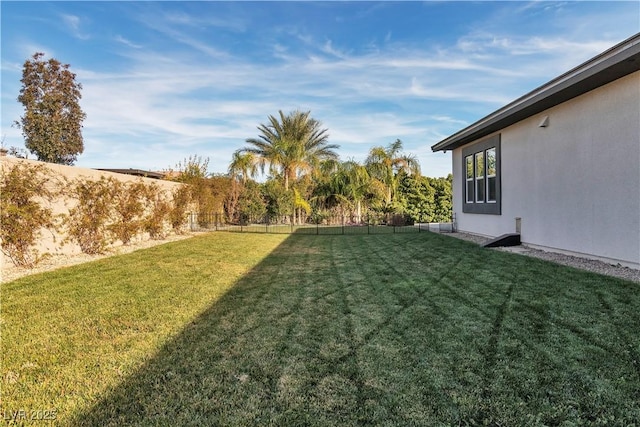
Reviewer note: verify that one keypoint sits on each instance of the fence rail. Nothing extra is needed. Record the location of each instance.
(369, 224)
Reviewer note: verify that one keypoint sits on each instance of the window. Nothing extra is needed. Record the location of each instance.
(491, 174)
(479, 177)
(482, 177)
(469, 180)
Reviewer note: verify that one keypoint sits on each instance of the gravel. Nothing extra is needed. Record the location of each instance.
(593, 266)
(10, 272)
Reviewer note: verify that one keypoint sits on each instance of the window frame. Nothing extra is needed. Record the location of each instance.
(488, 175)
(479, 167)
(471, 202)
(468, 180)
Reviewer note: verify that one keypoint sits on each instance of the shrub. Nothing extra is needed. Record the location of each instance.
(87, 221)
(154, 222)
(180, 206)
(128, 209)
(22, 189)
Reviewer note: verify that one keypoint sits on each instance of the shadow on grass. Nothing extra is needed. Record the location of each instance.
(407, 329)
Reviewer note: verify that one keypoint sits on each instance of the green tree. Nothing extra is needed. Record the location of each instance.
(52, 121)
(417, 198)
(289, 145)
(384, 164)
(443, 203)
(251, 201)
(279, 202)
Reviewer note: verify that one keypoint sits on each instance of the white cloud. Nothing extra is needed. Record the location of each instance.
(330, 50)
(118, 38)
(73, 25)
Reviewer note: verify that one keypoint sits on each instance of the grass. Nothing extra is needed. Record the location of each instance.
(396, 329)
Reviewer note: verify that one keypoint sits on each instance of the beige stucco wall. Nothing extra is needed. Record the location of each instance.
(574, 183)
(53, 243)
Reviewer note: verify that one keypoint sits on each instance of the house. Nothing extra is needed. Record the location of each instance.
(561, 164)
(137, 172)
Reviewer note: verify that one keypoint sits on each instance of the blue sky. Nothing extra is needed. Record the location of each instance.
(166, 80)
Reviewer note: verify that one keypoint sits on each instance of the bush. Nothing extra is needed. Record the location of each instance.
(88, 220)
(128, 209)
(180, 206)
(22, 188)
(155, 221)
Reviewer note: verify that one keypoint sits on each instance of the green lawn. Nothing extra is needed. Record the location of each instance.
(252, 329)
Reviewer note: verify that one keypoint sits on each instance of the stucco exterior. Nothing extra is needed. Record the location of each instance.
(575, 183)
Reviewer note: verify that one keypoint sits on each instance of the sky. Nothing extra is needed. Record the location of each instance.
(162, 81)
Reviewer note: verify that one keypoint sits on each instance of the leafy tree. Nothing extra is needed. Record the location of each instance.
(384, 164)
(443, 206)
(279, 202)
(220, 187)
(52, 122)
(193, 171)
(417, 197)
(190, 170)
(251, 201)
(290, 144)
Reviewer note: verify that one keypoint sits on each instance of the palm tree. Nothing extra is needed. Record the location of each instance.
(243, 165)
(294, 144)
(384, 164)
(343, 185)
(357, 184)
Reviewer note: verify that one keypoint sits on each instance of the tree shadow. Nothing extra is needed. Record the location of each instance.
(227, 367)
(339, 332)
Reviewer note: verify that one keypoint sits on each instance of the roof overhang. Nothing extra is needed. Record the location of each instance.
(136, 172)
(621, 60)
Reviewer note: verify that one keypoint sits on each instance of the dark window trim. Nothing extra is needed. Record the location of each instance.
(491, 208)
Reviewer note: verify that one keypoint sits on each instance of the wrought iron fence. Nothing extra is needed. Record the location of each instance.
(286, 224)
